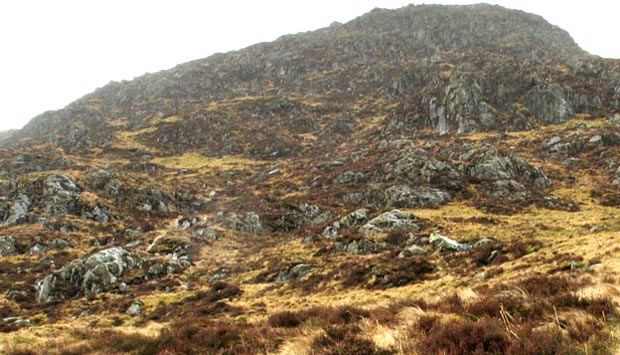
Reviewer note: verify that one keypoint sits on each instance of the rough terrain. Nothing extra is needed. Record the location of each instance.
(432, 179)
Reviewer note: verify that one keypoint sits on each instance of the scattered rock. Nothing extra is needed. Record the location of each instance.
(355, 218)
(484, 241)
(105, 182)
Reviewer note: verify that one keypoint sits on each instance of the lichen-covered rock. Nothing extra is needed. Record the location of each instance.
(404, 196)
(97, 273)
(390, 221)
(8, 245)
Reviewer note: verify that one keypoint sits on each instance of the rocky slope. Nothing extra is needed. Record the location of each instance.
(432, 179)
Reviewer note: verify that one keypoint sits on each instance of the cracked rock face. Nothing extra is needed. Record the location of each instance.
(551, 103)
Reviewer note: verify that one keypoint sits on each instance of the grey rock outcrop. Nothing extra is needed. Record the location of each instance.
(98, 273)
(550, 104)
(390, 221)
(463, 108)
(488, 164)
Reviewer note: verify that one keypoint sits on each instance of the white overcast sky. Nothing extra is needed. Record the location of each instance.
(54, 52)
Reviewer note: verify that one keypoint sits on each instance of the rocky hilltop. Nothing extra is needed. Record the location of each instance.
(432, 179)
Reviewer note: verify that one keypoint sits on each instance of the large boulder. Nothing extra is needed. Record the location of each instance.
(390, 221)
(98, 273)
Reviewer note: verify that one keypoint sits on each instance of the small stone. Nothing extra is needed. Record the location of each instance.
(135, 309)
(595, 139)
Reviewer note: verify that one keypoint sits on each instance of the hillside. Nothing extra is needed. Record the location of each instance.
(432, 179)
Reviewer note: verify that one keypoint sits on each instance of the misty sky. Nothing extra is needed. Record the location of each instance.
(54, 52)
